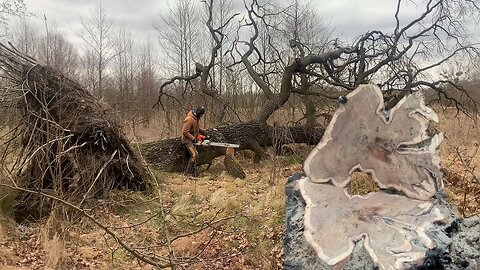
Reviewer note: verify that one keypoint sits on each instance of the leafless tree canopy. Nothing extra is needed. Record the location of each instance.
(97, 33)
(399, 61)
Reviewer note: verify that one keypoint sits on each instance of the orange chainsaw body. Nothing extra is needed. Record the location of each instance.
(201, 138)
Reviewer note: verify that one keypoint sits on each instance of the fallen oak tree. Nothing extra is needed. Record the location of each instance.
(170, 155)
(399, 62)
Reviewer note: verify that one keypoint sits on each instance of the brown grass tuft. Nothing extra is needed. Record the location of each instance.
(54, 251)
(52, 242)
(362, 183)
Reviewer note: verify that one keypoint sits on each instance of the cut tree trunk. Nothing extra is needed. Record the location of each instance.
(457, 241)
(407, 224)
(170, 155)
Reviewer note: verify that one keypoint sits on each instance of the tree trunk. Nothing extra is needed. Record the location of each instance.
(170, 155)
(310, 111)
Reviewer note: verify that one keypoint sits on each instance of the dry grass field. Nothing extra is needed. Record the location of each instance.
(250, 230)
(460, 155)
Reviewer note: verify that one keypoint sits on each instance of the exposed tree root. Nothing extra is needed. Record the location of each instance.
(58, 138)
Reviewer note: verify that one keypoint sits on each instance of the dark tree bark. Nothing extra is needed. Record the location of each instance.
(170, 155)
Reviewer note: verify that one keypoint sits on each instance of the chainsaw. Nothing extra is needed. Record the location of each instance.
(201, 140)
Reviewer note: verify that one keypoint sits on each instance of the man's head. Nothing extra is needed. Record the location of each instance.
(198, 112)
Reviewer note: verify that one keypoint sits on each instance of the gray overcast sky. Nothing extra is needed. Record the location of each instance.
(349, 17)
(137, 16)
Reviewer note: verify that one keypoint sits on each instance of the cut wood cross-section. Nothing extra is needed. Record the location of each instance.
(391, 145)
(396, 149)
(394, 227)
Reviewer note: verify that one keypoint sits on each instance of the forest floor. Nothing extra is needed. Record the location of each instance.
(246, 217)
(250, 237)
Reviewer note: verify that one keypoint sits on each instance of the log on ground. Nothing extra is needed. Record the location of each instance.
(170, 154)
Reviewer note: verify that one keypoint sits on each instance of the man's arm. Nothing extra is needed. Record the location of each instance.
(187, 124)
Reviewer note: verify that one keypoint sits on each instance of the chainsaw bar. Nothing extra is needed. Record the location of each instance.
(219, 144)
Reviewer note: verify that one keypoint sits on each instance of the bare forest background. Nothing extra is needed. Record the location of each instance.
(126, 73)
(131, 75)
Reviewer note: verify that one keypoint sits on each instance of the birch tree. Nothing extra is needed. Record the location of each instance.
(97, 34)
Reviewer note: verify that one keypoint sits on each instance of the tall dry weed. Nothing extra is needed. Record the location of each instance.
(53, 243)
(460, 156)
